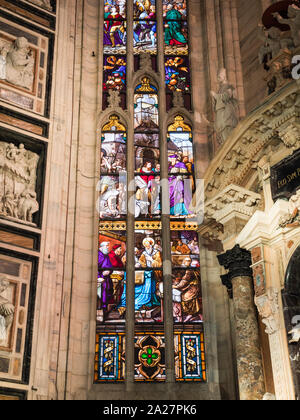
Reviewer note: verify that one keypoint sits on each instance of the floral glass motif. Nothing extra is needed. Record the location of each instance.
(150, 357)
(177, 74)
(190, 362)
(114, 73)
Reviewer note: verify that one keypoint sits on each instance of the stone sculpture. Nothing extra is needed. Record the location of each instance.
(273, 43)
(17, 64)
(225, 107)
(292, 218)
(46, 4)
(293, 22)
(18, 168)
(7, 309)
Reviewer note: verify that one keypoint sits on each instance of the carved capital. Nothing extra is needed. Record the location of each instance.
(237, 261)
(268, 308)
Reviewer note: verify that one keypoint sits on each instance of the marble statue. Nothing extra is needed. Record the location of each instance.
(46, 4)
(273, 43)
(7, 309)
(225, 107)
(18, 64)
(18, 197)
(293, 22)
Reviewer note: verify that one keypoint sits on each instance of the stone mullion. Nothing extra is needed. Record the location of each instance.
(165, 219)
(130, 240)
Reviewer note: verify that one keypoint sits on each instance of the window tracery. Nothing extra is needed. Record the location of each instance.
(162, 172)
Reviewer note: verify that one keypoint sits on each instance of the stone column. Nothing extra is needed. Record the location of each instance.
(249, 360)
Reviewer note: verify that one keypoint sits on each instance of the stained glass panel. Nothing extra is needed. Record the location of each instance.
(110, 358)
(115, 9)
(114, 73)
(111, 289)
(177, 73)
(112, 203)
(114, 37)
(149, 357)
(175, 9)
(190, 362)
(113, 153)
(187, 300)
(144, 37)
(176, 37)
(180, 152)
(144, 9)
(185, 249)
(146, 113)
(147, 153)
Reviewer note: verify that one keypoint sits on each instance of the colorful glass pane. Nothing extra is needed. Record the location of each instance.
(111, 305)
(144, 9)
(190, 362)
(147, 153)
(114, 37)
(114, 73)
(187, 300)
(148, 248)
(110, 358)
(147, 298)
(115, 9)
(175, 9)
(113, 153)
(146, 113)
(147, 196)
(145, 37)
(176, 37)
(177, 74)
(180, 153)
(112, 203)
(149, 357)
(185, 249)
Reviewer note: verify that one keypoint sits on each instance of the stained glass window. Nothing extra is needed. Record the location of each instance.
(161, 169)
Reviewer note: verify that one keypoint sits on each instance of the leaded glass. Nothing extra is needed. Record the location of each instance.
(114, 73)
(190, 362)
(149, 357)
(177, 73)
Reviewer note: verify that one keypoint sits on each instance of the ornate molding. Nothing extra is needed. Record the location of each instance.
(233, 199)
(275, 124)
(268, 308)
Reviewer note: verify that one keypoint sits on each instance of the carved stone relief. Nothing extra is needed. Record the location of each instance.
(17, 63)
(46, 4)
(268, 308)
(23, 66)
(18, 170)
(15, 277)
(292, 219)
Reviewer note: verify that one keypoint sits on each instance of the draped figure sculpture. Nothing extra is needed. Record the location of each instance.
(225, 107)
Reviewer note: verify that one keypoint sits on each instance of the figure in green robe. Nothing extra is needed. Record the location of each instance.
(173, 27)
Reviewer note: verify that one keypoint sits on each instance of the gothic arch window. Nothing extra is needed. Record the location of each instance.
(149, 304)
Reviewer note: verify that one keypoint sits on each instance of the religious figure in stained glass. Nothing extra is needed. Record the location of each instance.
(114, 35)
(175, 29)
(187, 301)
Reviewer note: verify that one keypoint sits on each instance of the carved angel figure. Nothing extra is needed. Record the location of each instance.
(7, 309)
(295, 334)
(293, 22)
(225, 107)
(19, 66)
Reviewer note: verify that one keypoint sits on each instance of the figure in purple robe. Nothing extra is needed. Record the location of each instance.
(105, 290)
(180, 197)
(103, 256)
